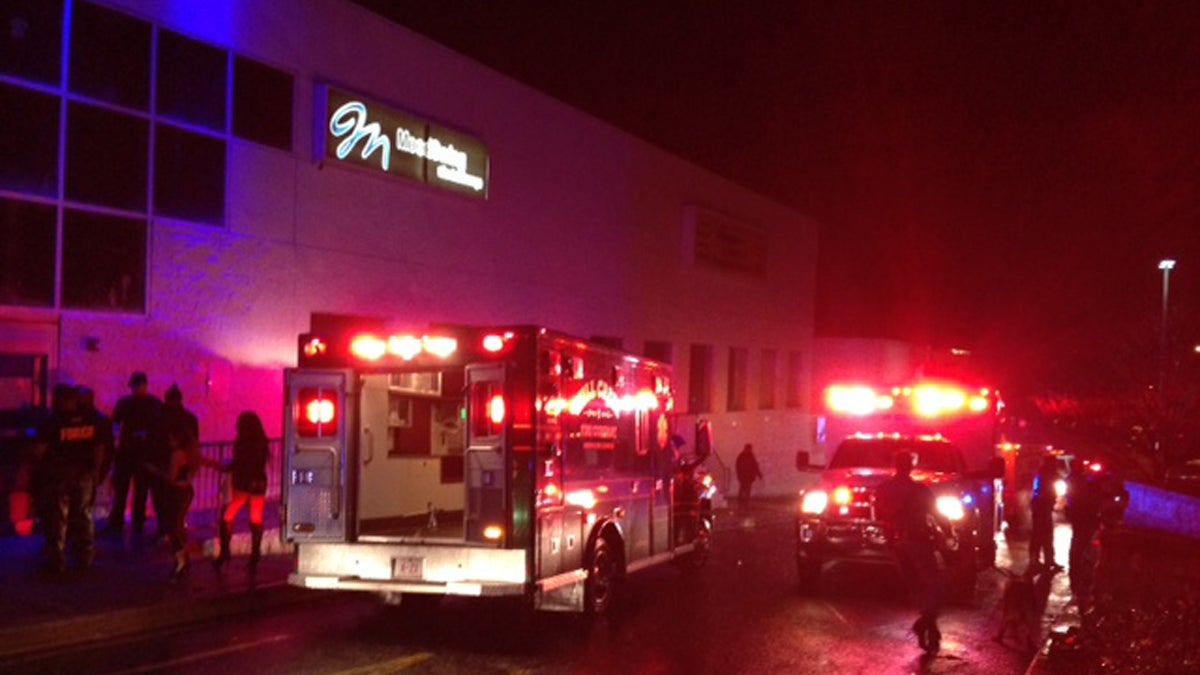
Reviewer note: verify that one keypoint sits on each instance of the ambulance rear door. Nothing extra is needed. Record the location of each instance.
(319, 409)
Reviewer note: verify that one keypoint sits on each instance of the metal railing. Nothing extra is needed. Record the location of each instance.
(211, 485)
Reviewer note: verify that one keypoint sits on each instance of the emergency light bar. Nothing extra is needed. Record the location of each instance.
(371, 347)
(925, 400)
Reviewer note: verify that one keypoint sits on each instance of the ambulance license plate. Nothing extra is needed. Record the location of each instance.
(408, 568)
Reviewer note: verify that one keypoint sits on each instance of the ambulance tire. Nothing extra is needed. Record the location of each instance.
(604, 573)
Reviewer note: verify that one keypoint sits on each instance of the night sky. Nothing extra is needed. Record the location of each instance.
(997, 176)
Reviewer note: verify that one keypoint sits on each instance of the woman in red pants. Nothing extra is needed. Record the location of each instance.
(249, 477)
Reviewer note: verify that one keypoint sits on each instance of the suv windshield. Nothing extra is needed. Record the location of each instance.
(933, 456)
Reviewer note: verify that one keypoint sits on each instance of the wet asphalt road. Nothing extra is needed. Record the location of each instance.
(742, 614)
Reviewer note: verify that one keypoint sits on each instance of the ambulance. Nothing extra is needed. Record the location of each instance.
(487, 461)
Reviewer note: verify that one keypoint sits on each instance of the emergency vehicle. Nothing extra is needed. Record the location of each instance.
(470, 461)
(953, 431)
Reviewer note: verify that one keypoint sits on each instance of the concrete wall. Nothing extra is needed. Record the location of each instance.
(586, 229)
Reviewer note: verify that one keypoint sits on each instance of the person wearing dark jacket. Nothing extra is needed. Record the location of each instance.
(909, 510)
(175, 491)
(68, 447)
(248, 473)
(140, 441)
(748, 471)
(1041, 534)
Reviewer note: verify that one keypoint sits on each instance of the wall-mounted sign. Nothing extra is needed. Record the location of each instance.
(358, 131)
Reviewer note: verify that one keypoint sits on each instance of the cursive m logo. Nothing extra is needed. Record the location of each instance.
(350, 120)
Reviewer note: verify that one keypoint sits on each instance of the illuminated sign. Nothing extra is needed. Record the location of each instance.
(361, 132)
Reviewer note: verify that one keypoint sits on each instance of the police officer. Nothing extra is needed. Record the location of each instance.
(141, 441)
(909, 510)
(68, 446)
(1041, 536)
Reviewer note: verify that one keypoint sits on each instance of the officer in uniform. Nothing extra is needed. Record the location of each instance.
(909, 510)
(68, 447)
(142, 441)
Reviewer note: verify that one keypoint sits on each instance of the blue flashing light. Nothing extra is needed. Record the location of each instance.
(968, 500)
(985, 489)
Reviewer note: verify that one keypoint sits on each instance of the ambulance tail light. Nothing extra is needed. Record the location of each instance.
(497, 410)
(317, 413)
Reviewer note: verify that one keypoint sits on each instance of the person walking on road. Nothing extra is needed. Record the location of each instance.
(68, 446)
(175, 482)
(140, 441)
(916, 531)
(748, 471)
(1041, 535)
(248, 470)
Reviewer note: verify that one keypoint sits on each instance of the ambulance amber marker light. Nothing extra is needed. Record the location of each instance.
(493, 532)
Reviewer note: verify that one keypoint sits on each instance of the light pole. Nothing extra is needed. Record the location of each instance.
(1166, 265)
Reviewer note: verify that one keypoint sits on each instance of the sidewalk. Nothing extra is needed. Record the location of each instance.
(128, 589)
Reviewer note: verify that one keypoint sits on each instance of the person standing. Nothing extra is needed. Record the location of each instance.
(139, 416)
(175, 491)
(1041, 535)
(748, 471)
(248, 470)
(909, 510)
(68, 446)
(104, 431)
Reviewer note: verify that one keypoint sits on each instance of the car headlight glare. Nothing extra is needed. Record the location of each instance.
(951, 507)
(814, 502)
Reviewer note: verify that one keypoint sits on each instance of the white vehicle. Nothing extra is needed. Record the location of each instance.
(486, 462)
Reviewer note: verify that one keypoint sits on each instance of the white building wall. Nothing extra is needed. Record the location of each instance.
(585, 230)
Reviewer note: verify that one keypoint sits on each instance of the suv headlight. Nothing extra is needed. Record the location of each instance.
(951, 507)
(814, 502)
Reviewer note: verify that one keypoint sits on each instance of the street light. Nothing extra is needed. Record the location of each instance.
(1166, 265)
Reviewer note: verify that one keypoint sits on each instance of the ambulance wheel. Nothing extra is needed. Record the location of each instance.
(604, 571)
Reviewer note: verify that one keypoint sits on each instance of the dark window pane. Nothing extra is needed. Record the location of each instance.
(104, 262)
(31, 39)
(189, 175)
(262, 103)
(106, 157)
(28, 141)
(110, 56)
(191, 81)
(26, 253)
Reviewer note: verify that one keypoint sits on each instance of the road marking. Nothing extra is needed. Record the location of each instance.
(386, 667)
(200, 656)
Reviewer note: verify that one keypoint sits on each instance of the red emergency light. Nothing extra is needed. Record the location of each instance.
(317, 413)
(371, 347)
(925, 400)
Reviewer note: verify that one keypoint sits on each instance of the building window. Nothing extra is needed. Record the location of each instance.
(111, 112)
(106, 157)
(700, 379)
(795, 373)
(28, 141)
(768, 378)
(735, 396)
(659, 351)
(110, 56)
(27, 245)
(189, 175)
(262, 104)
(104, 262)
(191, 81)
(31, 39)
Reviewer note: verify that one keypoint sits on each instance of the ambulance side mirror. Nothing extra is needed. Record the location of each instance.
(704, 440)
